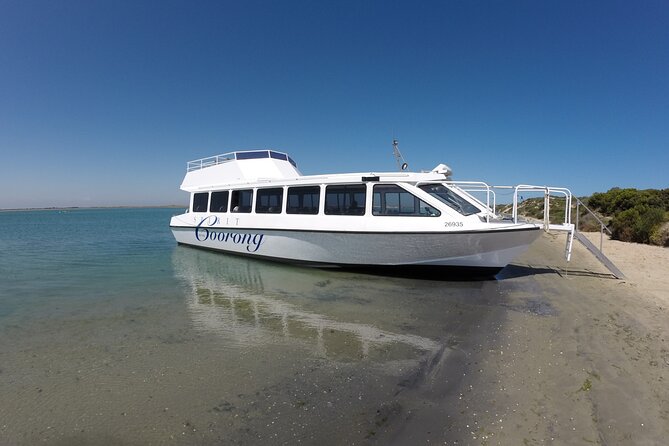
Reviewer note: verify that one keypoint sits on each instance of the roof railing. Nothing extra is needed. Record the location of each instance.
(209, 161)
(238, 155)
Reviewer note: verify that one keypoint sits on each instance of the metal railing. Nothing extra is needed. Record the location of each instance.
(238, 155)
(471, 187)
(478, 186)
(602, 225)
(572, 230)
(548, 191)
(209, 161)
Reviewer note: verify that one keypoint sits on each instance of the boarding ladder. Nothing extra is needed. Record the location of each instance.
(572, 230)
(568, 227)
(597, 252)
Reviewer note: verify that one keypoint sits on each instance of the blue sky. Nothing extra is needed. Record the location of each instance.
(103, 102)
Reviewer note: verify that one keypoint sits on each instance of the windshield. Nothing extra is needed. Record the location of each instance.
(450, 198)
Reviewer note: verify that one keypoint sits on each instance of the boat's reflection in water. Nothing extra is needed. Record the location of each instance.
(248, 302)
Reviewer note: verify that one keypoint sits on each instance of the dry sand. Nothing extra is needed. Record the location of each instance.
(645, 267)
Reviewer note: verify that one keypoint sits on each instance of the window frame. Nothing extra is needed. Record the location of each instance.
(303, 210)
(195, 201)
(227, 200)
(261, 193)
(349, 192)
(454, 201)
(400, 191)
(236, 196)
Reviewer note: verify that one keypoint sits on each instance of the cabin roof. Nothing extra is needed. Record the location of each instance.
(239, 167)
(203, 163)
(271, 167)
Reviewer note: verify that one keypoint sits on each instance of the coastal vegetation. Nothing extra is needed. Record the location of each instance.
(640, 216)
(632, 215)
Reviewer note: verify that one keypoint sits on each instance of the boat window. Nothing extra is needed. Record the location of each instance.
(241, 200)
(450, 198)
(252, 155)
(219, 201)
(200, 201)
(391, 199)
(278, 155)
(268, 201)
(303, 200)
(345, 200)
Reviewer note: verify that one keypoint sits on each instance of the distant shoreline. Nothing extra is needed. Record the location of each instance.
(73, 208)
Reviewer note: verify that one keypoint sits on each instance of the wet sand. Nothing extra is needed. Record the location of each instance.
(253, 353)
(579, 359)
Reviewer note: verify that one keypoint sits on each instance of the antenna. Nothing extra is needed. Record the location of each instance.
(398, 156)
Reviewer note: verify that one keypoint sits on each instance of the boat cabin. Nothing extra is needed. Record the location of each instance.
(268, 182)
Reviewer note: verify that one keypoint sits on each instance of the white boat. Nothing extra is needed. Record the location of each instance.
(257, 203)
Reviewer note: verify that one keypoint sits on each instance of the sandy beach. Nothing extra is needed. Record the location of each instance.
(645, 267)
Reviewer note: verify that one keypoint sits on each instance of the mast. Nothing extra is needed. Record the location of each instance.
(401, 164)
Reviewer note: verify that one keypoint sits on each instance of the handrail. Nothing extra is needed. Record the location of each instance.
(602, 226)
(479, 186)
(490, 191)
(209, 161)
(547, 190)
(580, 203)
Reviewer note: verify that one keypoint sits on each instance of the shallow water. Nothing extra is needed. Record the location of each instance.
(110, 333)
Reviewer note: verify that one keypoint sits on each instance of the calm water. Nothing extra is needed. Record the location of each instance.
(110, 333)
(55, 258)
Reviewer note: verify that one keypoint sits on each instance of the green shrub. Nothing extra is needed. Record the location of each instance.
(636, 224)
(618, 200)
(636, 215)
(660, 234)
(632, 215)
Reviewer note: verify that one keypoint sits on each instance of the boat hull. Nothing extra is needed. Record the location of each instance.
(484, 250)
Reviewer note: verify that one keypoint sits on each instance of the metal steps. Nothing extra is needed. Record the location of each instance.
(599, 255)
(567, 226)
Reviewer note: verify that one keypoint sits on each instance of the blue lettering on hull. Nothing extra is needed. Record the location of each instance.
(204, 233)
